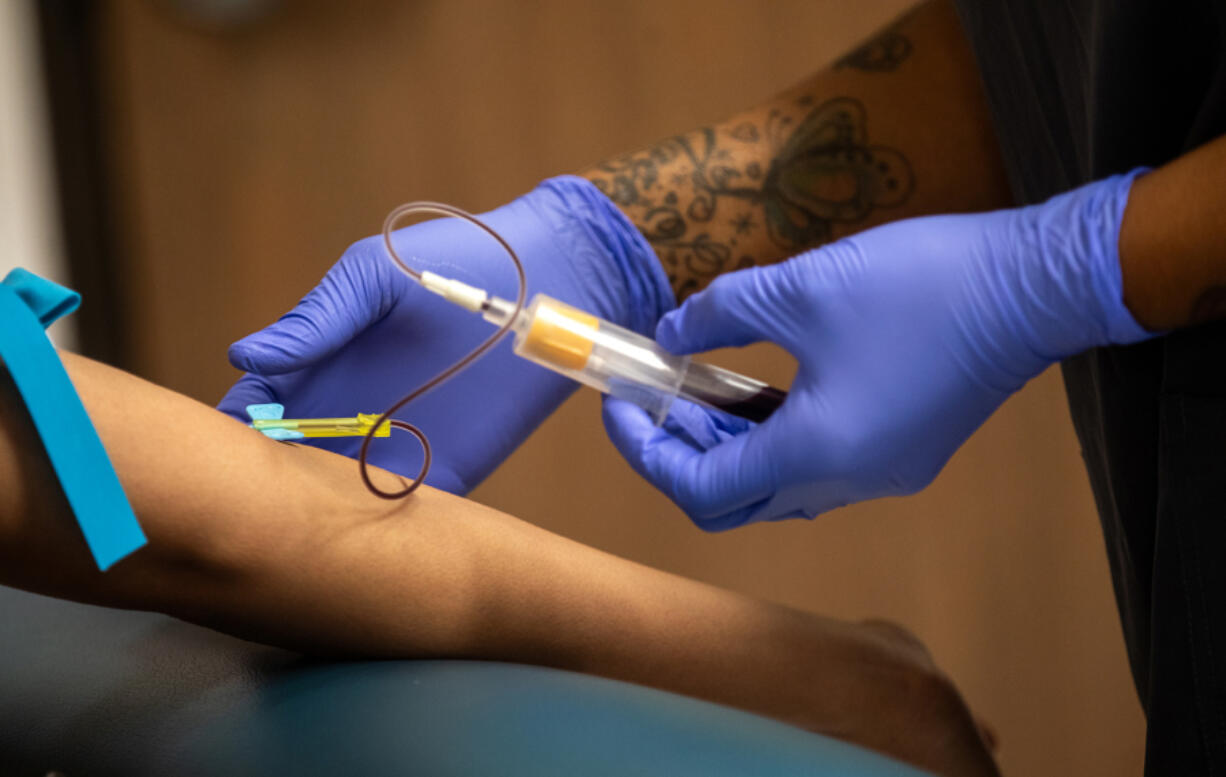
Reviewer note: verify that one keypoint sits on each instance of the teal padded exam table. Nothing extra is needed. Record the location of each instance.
(91, 692)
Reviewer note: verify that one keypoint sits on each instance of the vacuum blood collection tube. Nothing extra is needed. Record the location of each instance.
(627, 365)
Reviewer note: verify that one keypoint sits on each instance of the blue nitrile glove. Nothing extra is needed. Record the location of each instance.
(908, 337)
(367, 334)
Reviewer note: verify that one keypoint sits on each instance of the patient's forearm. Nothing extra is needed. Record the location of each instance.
(283, 544)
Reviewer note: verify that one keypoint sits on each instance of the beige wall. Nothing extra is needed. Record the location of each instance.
(250, 158)
(29, 218)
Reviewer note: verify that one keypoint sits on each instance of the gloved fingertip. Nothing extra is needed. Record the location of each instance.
(669, 332)
(241, 357)
(272, 352)
(627, 424)
(715, 317)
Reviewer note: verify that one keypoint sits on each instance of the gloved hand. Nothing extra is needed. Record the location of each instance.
(908, 337)
(367, 334)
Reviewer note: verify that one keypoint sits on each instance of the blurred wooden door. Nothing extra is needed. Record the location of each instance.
(249, 156)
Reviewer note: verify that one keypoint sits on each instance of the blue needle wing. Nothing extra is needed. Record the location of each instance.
(273, 411)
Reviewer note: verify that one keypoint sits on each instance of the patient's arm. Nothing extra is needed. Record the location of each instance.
(283, 544)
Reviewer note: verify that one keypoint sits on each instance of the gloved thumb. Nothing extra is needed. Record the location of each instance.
(719, 488)
(331, 315)
(736, 309)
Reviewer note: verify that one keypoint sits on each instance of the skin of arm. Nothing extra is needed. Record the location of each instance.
(1173, 241)
(897, 128)
(283, 544)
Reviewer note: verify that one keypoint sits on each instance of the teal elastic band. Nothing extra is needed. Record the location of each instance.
(28, 304)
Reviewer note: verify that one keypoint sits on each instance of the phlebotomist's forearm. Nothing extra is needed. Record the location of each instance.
(899, 127)
(1173, 241)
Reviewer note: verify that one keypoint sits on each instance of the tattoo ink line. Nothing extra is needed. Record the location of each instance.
(823, 171)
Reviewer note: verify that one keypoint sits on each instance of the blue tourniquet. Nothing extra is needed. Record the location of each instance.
(28, 304)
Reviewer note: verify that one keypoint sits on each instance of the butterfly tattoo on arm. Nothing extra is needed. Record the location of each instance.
(728, 197)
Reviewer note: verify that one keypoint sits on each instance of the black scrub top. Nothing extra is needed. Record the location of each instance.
(1079, 90)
